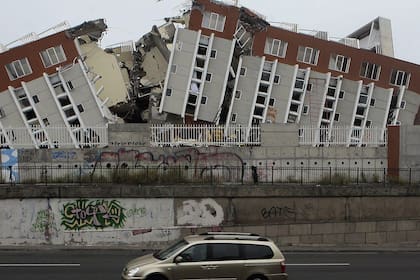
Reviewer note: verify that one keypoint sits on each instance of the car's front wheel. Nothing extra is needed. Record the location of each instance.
(257, 277)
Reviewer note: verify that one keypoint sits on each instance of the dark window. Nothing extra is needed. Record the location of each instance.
(195, 253)
(208, 77)
(213, 53)
(242, 71)
(223, 251)
(35, 98)
(277, 79)
(80, 107)
(252, 252)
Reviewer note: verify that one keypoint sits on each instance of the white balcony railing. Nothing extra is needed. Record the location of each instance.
(369, 136)
(204, 135)
(53, 137)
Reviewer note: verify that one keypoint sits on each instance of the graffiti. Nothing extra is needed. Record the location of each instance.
(207, 212)
(278, 212)
(9, 159)
(44, 222)
(95, 214)
(63, 155)
(141, 212)
(141, 231)
(202, 163)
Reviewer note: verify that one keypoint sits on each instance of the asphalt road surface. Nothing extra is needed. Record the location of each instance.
(107, 265)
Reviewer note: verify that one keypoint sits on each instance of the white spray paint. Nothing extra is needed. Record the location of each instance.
(206, 212)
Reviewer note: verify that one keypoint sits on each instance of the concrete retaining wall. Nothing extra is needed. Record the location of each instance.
(152, 216)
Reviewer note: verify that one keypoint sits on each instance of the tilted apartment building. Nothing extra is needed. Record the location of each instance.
(230, 66)
(46, 83)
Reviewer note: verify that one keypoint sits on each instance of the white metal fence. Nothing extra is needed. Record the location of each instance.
(53, 137)
(204, 135)
(369, 136)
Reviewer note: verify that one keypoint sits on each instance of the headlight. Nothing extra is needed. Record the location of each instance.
(133, 271)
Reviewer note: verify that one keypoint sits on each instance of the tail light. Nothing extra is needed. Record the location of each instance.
(283, 267)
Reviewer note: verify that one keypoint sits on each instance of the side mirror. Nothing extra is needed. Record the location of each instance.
(178, 259)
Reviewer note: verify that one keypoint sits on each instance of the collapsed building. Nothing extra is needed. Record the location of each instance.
(214, 64)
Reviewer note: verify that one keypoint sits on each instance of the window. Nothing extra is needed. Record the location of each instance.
(339, 63)
(80, 108)
(213, 21)
(35, 98)
(341, 94)
(168, 92)
(238, 94)
(195, 253)
(223, 251)
(2, 114)
(305, 109)
(309, 87)
(242, 71)
(213, 54)
(208, 77)
(254, 252)
(53, 56)
(337, 117)
(399, 78)
(271, 102)
(372, 102)
(368, 123)
(233, 118)
(402, 105)
(173, 69)
(275, 47)
(204, 100)
(308, 55)
(18, 69)
(46, 122)
(370, 70)
(277, 79)
(70, 85)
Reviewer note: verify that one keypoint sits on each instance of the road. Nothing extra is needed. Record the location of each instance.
(107, 264)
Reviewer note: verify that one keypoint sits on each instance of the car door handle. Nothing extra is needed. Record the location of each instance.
(208, 267)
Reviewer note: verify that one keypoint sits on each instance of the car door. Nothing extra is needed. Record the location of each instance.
(224, 261)
(192, 264)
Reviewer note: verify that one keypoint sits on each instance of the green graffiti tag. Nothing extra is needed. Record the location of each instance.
(96, 214)
(44, 222)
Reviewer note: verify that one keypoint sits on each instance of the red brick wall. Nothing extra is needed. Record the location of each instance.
(31, 52)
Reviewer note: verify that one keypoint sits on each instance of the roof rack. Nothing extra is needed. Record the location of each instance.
(229, 233)
(236, 237)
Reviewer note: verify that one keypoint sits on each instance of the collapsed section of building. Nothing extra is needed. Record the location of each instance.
(215, 64)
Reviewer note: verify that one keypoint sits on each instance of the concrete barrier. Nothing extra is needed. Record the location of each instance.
(152, 216)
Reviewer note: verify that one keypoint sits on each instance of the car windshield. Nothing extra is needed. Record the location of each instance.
(167, 252)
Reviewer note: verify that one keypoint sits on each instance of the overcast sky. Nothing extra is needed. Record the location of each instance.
(130, 19)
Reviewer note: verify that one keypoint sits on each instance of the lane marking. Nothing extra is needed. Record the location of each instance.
(317, 264)
(39, 264)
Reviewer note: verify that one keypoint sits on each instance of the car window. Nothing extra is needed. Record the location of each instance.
(224, 251)
(252, 252)
(195, 253)
(167, 252)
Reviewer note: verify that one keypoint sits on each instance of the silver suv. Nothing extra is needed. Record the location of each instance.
(212, 255)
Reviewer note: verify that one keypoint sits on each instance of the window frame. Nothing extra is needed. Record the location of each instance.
(280, 50)
(345, 61)
(214, 21)
(12, 65)
(395, 73)
(244, 71)
(313, 55)
(373, 68)
(59, 59)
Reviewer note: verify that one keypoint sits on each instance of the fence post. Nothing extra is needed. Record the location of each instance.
(301, 175)
(384, 177)
(272, 175)
(330, 175)
(409, 176)
(80, 175)
(357, 176)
